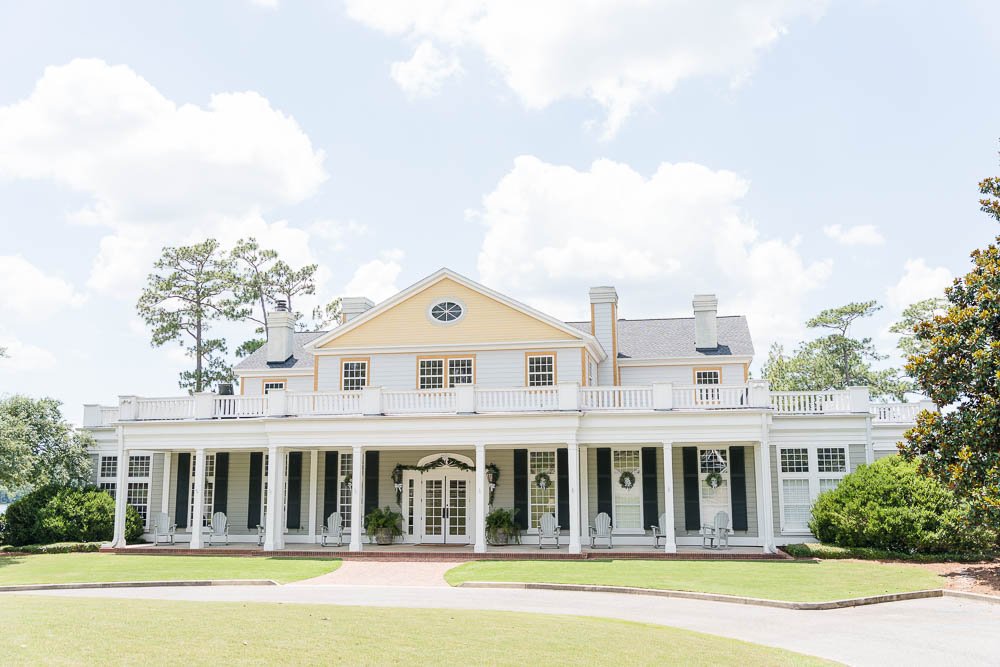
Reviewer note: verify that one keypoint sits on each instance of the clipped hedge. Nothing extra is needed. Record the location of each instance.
(889, 506)
(60, 514)
(57, 548)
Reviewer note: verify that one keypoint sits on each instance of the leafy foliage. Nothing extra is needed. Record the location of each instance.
(501, 522)
(384, 519)
(56, 513)
(325, 317)
(192, 289)
(889, 505)
(914, 314)
(38, 447)
(836, 360)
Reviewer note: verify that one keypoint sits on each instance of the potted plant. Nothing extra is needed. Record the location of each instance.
(501, 529)
(383, 524)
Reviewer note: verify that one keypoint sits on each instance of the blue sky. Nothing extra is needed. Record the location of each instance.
(787, 155)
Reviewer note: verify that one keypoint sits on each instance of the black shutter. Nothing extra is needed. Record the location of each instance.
(692, 501)
(738, 486)
(650, 490)
(183, 484)
(604, 481)
(253, 492)
(221, 492)
(521, 487)
(293, 518)
(371, 481)
(562, 487)
(330, 478)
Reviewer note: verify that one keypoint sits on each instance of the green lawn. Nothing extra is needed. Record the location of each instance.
(797, 581)
(85, 568)
(57, 631)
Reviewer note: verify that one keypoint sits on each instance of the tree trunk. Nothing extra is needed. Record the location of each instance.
(197, 353)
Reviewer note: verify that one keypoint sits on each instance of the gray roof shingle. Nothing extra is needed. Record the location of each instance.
(674, 337)
(300, 359)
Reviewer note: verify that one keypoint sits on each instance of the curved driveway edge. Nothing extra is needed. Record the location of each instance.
(137, 584)
(717, 597)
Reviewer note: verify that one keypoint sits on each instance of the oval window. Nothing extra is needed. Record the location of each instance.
(446, 311)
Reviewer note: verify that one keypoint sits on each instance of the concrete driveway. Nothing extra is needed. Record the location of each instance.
(935, 631)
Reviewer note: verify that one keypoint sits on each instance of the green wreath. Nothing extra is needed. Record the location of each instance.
(626, 480)
(714, 480)
(542, 480)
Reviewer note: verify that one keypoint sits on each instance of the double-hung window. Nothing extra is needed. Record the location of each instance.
(346, 466)
(431, 373)
(273, 385)
(445, 372)
(137, 485)
(354, 374)
(541, 370)
(707, 381)
(541, 485)
(805, 471)
(461, 371)
(208, 498)
(107, 474)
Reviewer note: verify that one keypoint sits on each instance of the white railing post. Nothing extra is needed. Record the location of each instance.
(127, 406)
(927, 405)
(663, 395)
(760, 394)
(277, 403)
(371, 401)
(465, 398)
(569, 396)
(204, 405)
(859, 399)
(91, 415)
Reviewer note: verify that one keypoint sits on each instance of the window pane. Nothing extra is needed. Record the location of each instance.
(831, 459)
(268, 386)
(797, 506)
(109, 466)
(541, 371)
(795, 460)
(828, 484)
(355, 375)
(541, 501)
(707, 377)
(714, 460)
(431, 373)
(459, 371)
(109, 487)
(346, 466)
(628, 500)
(138, 466)
(137, 495)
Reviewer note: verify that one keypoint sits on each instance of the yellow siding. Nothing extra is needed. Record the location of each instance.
(485, 321)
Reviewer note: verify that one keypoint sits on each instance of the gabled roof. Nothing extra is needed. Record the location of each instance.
(438, 276)
(674, 338)
(301, 359)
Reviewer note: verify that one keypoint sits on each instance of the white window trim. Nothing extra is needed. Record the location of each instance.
(343, 373)
(446, 375)
(528, 371)
(136, 479)
(813, 476)
(436, 321)
(278, 385)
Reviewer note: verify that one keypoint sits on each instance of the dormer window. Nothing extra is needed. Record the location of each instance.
(447, 311)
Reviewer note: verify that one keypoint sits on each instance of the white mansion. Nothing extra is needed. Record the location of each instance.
(449, 399)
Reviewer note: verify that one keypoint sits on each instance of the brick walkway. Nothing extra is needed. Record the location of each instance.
(384, 573)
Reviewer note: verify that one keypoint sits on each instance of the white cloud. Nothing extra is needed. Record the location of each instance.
(918, 282)
(27, 292)
(618, 53)
(377, 279)
(552, 231)
(157, 171)
(855, 235)
(24, 357)
(336, 233)
(265, 4)
(425, 72)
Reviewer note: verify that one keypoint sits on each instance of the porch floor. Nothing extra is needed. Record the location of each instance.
(403, 552)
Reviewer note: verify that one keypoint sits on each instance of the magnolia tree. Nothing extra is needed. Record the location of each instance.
(38, 447)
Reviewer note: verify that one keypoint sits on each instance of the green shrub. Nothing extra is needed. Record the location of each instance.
(61, 514)
(57, 548)
(890, 506)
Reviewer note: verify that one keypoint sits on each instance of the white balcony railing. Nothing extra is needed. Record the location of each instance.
(467, 399)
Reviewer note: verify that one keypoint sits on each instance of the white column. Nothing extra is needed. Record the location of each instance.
(118, 540)
(165, 488)
(584, 494)
(313, 485)
(766, 504)
(482, 496)
(274, 535)
(670, 543)
(357, 508)
(199, 499)
(573, 459)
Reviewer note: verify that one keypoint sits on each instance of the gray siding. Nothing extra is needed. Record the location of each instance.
(881, 454)
(856, 453)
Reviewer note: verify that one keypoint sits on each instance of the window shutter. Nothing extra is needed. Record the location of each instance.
(293, 518)
(604, 481)
(221, 501)
(371, 482)
(738, 486)
(521, 487)
(692, 497)
(254, 490)
(183, 482)
(562, 487)
(650, 488)
(331, 475)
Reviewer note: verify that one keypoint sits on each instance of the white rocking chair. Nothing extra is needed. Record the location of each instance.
(716, 534)
(601, 530)
(162, 528)
(218, 529)
(334, 528)
(548, 529)
(660, 532)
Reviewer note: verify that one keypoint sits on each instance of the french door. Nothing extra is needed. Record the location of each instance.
(445, 516)
(713, 480)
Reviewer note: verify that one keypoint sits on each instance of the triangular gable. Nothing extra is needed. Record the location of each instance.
(489, 317)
